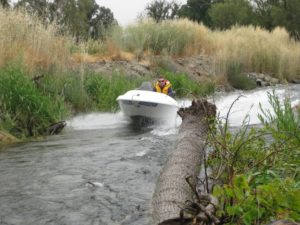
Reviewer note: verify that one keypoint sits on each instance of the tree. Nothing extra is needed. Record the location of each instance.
(83, 18)
(4, 3)
(37, 7)
(161, 10)
(284, 13)
(103, 20)
(263, 10)
(225, 14)
(287, 14)
(196, 10)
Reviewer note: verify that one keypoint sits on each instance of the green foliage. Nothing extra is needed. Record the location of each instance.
(69, 87)
(161, 10)
(272, 13)
(248, 204)
(259, 173)
(104, 90)
(284, 126)
(83, 18)
(237, 79)
(4, 3)
(169, 37)
(41, 8)
(184, 86)
(25, 106)
(197, 10)
(231, 12)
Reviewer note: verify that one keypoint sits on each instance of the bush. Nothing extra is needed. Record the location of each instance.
(237, 79)
(25, 106)
(104, 90)
(185, 87)
(259, 175)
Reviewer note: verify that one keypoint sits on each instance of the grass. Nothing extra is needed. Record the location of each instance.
(104, 90)
(180, 37)
(237, 79)
(249, 165)
(26, 41)
(25, 109)
(256, 49)
(29, 48)
(186, 87)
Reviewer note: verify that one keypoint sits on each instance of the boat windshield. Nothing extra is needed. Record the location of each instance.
(146, 86)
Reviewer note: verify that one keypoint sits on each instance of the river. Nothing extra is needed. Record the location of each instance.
(101, 170)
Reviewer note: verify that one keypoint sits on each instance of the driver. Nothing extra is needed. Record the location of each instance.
(163, 86)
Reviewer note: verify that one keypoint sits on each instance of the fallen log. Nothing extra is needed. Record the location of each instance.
(174, 194)
(57, 127)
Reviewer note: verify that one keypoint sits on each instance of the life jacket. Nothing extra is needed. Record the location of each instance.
(164, 89)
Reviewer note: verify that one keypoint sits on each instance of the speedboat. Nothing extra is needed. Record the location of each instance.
(145, 103)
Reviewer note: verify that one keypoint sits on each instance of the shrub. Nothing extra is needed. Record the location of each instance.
(184, 86)
(104, 90)
(237, 79)
(259, 175)
(25, 106)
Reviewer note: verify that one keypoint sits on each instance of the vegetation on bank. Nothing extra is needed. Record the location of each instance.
(39, 85)
(255, 49)
(258, 169)
(41, 57)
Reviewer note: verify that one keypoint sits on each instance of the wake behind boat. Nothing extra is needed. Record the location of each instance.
(145, 103)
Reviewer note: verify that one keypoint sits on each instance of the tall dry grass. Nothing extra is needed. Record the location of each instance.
(257, 50)
(172, 37)
(25, 40)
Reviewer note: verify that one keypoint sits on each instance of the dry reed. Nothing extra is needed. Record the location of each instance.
(26, 41)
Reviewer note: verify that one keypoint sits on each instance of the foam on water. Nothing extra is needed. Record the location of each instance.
(95, 121)
(248, 104)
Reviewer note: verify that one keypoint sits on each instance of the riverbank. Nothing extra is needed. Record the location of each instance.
(61, 77)
(94, 83)
(100, 170)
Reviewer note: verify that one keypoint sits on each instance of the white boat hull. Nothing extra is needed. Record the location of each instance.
(148, 104)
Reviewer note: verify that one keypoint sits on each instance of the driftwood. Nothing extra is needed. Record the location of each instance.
(56, 128)
(173, 199)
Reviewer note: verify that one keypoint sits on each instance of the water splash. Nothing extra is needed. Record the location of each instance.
(97, 121)
(248, 104)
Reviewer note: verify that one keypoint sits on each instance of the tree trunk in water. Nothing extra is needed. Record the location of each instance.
(172, 190)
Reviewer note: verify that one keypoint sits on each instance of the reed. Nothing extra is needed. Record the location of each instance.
(237, 79)
(24, 107)
(257, 50)
(187, 87)
(174, 37)
(26, 41)
(104, 90)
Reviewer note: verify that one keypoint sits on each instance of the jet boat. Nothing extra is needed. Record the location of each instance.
(145, 103)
